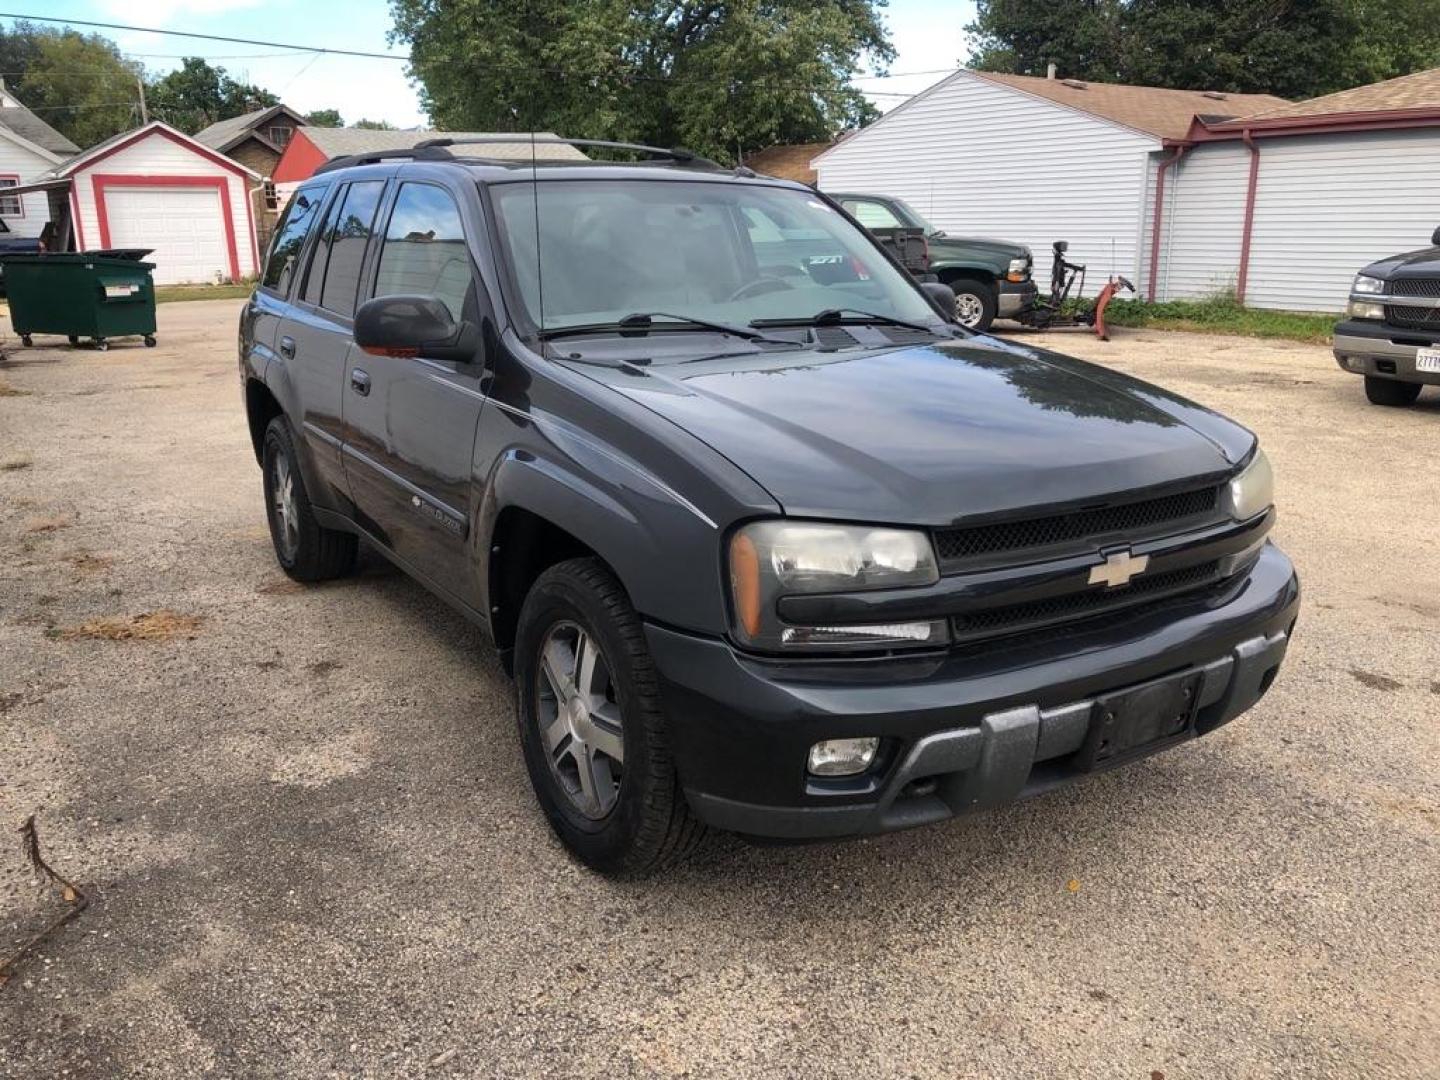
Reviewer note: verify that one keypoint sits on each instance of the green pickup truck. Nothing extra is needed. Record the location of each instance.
(991, 278)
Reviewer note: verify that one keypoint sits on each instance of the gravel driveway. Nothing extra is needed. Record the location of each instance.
(311, 847)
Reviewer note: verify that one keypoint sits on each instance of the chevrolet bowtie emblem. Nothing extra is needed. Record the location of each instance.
(1118, 569)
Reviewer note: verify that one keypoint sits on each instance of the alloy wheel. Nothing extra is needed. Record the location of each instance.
(968, 309)
(287, 513)
(579, 718)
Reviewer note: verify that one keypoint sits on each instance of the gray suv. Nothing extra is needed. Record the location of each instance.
(768, 542)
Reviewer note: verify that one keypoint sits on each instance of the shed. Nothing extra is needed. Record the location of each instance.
(1030, 159)
(158, 188)
(1286, 204)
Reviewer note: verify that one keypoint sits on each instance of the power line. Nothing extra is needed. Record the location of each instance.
(203, 37)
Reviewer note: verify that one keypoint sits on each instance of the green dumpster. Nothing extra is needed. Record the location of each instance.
(95, 295)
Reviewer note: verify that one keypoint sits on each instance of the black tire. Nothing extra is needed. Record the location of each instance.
(74, 340)
(975, 303)
(149, 341)
(26, 340)
(1391, 392)
(649, 825)
(306, 551)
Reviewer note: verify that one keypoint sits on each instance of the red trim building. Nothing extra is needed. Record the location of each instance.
(157, 188)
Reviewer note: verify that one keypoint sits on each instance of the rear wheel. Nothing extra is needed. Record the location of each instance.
(591, 725)
(975, 303)
(305, 550)
(1390, 391)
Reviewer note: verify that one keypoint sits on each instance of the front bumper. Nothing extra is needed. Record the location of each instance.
(1015, 297)
(963, 731)
(1365, 347)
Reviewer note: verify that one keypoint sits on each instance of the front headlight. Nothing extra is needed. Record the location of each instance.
(1365, 309)
(1370, 286)
(1018, 270)
(1252, 492)
(771, 559)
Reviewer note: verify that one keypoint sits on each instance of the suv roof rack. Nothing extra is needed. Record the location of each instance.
(439, 150)
(675, 154)
(421, 152)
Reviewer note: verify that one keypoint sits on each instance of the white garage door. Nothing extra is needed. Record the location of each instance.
(183, 225)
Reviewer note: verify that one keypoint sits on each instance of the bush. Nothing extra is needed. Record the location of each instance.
(1222, 314)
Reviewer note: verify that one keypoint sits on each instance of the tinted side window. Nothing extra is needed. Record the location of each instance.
(424, 252)
(290, 236)
(347, 236)
(309, 290)
(872, 215)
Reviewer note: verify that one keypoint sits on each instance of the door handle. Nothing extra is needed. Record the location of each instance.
(287, 347)
(360, 382)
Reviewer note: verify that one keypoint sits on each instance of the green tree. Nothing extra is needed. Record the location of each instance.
(324, 118)
(719, 76)
(374, 125)
(197, 94)
(82, 85)
(1293, 48)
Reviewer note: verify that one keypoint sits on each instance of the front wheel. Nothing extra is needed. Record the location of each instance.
(1390, 391)
(305, 550)
(975, 303)
(591, 726)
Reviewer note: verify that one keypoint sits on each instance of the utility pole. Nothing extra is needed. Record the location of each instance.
(144, 112)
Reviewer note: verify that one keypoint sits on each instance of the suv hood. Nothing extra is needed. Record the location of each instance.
(930, 434)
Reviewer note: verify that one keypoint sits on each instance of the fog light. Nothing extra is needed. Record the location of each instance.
(842, 757)
(1355, 363)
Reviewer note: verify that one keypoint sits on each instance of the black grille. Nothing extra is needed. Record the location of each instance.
(1128, 519)
(1425, 317)
(1418, 286)
(1081, 605)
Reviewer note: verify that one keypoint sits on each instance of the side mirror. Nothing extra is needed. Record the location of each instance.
(1435, 238)
(942, 296)
(411, 326)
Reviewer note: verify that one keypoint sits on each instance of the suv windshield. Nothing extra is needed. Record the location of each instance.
(599, 250)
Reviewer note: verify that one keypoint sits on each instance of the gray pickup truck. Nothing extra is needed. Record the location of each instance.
(1392, 333)
(990, 278)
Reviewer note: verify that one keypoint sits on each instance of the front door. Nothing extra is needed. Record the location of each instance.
(410, 424)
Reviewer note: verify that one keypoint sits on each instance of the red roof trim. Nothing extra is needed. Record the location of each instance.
(174, 136)
(1377, 120)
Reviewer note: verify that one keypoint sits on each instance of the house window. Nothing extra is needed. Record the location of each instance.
(11, 205)
(280, 136)
(272, 197)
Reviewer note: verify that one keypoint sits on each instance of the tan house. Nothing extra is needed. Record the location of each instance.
(256, 139)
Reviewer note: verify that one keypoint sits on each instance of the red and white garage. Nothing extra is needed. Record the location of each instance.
(155, 187)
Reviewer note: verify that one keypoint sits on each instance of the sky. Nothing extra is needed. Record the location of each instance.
(928, 35)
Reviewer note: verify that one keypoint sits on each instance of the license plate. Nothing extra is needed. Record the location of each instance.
(1428, 360)
(1131, 723)
(121, 290)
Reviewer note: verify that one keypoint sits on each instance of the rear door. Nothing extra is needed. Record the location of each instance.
(410, 423)
(315, 334)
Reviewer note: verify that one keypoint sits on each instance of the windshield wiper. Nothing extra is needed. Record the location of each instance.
(837, 316)
(645, 320)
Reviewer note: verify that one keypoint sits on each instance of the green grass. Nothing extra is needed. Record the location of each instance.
(1222, 315)
(165, 294)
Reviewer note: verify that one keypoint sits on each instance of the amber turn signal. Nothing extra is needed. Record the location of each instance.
(745, 582)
